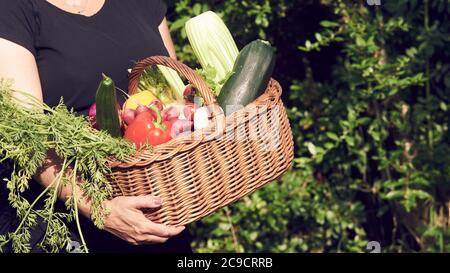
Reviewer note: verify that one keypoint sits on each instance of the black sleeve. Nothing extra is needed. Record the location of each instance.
(18, 23)
(158, 11)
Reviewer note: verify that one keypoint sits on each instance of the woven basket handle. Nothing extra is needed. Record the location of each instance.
(182, 69)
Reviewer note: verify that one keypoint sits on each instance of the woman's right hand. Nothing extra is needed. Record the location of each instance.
(128, 222)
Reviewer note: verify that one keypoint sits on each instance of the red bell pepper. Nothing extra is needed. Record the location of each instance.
(138, 131)
(146, 129)
(161, 131)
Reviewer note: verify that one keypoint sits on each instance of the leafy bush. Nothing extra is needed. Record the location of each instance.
(368, 105)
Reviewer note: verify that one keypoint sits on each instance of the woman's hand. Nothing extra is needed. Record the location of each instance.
(126, 221)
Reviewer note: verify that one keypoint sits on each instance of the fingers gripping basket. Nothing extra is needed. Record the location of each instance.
(198, 174)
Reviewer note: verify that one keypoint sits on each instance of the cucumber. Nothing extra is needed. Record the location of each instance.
(250, 77)
(107, 113)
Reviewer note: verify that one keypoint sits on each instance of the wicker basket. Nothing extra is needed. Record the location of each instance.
(196, 175)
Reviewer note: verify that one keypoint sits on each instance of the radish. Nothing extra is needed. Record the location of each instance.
(142, 109)
(188, 90)
(128, 116)
(93, 111)
(92, 116)
(201, 118)
(158, 104)
(171, 113)
(189, 111)
(181, 127)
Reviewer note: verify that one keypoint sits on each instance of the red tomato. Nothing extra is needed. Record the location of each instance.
(138, 132)
(158, 136)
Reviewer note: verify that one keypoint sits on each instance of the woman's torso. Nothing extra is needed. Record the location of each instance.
(72, 51)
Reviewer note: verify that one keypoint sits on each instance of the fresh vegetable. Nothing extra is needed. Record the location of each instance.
(158, 104)
(250, 77)
(128, 116)
(83, 153)
(93, 111)
(188, 90)
(212, 43)
(153, 80)
(92, 115)
(145, 129)
(141, 98)
(142, 109)
(159, 136)
(107, 116)
(170, 113)
(192, 95)
(201, 118)
(181, 127)
(138, 131)
(189, 111)
(174, 81)
(161, 132)
(208, 75)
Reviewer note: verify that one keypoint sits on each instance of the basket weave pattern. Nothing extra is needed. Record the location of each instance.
(196, 175)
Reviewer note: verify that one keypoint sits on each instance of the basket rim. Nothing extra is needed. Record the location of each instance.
(271, 96)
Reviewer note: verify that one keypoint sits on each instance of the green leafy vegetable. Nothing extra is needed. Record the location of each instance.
(174, 81)
(27, 135)
(153, 80)
(213, 44)
(208, 74)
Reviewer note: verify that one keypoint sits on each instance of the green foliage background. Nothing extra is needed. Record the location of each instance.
(368, 94)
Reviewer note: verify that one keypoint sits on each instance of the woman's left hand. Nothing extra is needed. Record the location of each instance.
(128, 222)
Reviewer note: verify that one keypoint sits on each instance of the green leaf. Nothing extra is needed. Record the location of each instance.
(318, 37)
(332, 136)
(328, 24)
(178, 24)
(329, 145)
(311, 148)
(197, 9)
(395, 195)
(360, 41)
(350, 140)
(308, 44)
(420, 194)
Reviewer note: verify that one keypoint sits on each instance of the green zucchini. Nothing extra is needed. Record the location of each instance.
(107, 117)
(250, 77)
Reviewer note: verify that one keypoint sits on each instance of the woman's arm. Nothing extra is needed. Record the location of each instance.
(18, 63)
(125, 220)
(167, 39)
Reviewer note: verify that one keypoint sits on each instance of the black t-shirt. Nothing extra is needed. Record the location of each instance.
(72, 50)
